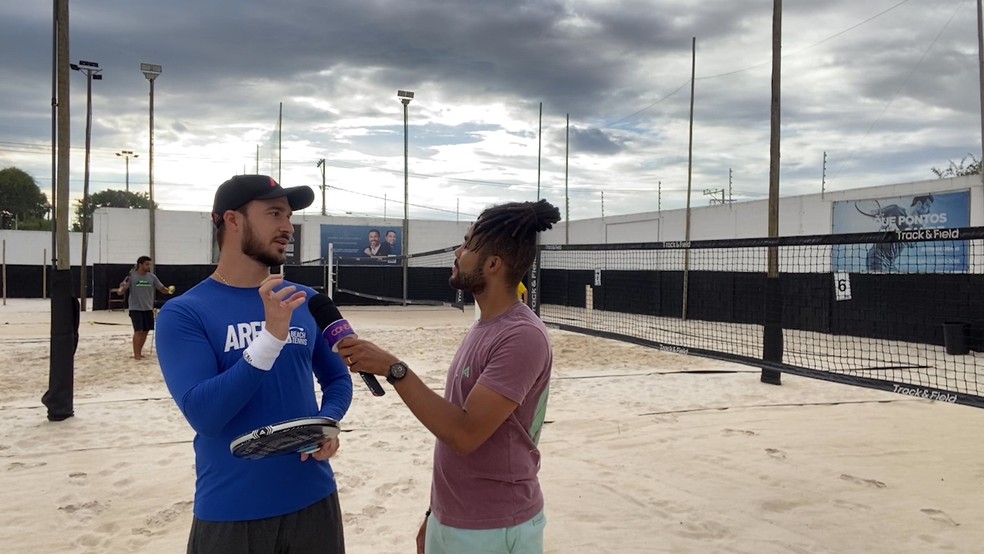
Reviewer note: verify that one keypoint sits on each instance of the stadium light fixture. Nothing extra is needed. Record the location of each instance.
(405, 97)
(151, 71)
(91, 70)
(127, 154)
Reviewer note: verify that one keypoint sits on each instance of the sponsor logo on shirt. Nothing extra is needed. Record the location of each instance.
(240, 335)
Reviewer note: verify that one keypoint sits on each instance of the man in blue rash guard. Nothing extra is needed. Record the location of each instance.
(238, 352)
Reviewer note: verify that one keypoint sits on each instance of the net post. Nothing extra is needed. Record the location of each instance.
(329, 284)
(772, 341)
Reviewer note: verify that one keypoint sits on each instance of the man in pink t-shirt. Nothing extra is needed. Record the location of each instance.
(485, 495)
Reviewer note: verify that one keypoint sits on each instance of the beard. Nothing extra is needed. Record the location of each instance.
(255, 249)
(473, 282)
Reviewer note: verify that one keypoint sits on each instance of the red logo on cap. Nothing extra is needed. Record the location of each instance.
(273, 184)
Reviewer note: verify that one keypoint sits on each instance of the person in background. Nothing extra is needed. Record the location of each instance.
(142, 284)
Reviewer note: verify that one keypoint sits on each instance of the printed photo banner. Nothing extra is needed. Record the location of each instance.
(910, 217)
(368, 242)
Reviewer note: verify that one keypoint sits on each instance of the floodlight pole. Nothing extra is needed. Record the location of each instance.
(321, 164)
(127, 154)
(405, 97)
(151, 71)
(91, 70)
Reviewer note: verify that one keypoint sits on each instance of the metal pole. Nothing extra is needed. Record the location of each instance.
(406, 197)
(83, 288)
(128, 173)
(567, 196)
(539, 149)
(153, 226)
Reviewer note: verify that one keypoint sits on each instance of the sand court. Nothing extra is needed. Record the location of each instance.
(644, 451)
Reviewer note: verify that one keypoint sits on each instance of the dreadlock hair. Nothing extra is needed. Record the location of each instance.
(509, 231)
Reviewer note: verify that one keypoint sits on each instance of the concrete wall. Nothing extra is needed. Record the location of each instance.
(122, 235)
(34, 247)
(798, 215)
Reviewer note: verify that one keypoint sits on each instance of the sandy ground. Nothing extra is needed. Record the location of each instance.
(644, 451)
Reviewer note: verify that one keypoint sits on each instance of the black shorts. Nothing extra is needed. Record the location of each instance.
(316, 529)
(142, 320)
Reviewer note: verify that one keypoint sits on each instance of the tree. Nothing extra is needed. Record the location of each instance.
(21, 201)
(960, 169)
(109, 199)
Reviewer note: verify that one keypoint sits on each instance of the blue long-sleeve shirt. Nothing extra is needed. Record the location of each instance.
(200, 337)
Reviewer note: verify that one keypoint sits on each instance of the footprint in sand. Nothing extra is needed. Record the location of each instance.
(163, 518)
(940, 516)
(373, 511)
(113, 469)
(122, 483)
(775, 453)
(860, 481)
(17, 466)
(78, 478)
(742, 432)
(91, 507)
(169, 459)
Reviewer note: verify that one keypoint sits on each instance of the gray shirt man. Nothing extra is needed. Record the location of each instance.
(142, 287)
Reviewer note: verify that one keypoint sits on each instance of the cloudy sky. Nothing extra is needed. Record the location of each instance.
(887, 88)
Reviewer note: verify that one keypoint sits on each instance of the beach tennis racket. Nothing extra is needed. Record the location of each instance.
(295, 436)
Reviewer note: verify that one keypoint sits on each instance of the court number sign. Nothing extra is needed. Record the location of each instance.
(842, 286)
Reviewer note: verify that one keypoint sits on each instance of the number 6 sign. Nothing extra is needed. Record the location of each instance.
(842, 286)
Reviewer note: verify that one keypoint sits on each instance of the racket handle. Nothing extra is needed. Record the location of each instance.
(370, 380)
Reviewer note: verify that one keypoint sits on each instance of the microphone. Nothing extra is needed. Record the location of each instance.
(335, 328)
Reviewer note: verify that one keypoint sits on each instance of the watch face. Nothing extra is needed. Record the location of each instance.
(398, 370)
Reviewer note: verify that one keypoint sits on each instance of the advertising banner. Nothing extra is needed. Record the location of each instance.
(909, 217)
(374, 243)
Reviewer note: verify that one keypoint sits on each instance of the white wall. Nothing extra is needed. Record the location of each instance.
(34, 247)
(122, 235)
(798, 215)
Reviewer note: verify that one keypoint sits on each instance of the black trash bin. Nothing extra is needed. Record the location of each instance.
(955, 338)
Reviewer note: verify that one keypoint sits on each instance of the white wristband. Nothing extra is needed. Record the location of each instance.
(263, 351)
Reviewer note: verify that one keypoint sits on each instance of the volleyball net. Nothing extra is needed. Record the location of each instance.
(888, 310)
(382, 279)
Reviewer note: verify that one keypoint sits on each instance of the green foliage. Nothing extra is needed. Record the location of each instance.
(35, 225)
(21, 200)
(109, 199)
(960, 169)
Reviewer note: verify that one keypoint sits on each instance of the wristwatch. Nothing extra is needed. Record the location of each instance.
(396, 372)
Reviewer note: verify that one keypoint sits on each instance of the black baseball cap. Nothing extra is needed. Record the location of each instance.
(243, 189)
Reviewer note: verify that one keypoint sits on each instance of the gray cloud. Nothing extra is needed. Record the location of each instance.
(861, 94)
